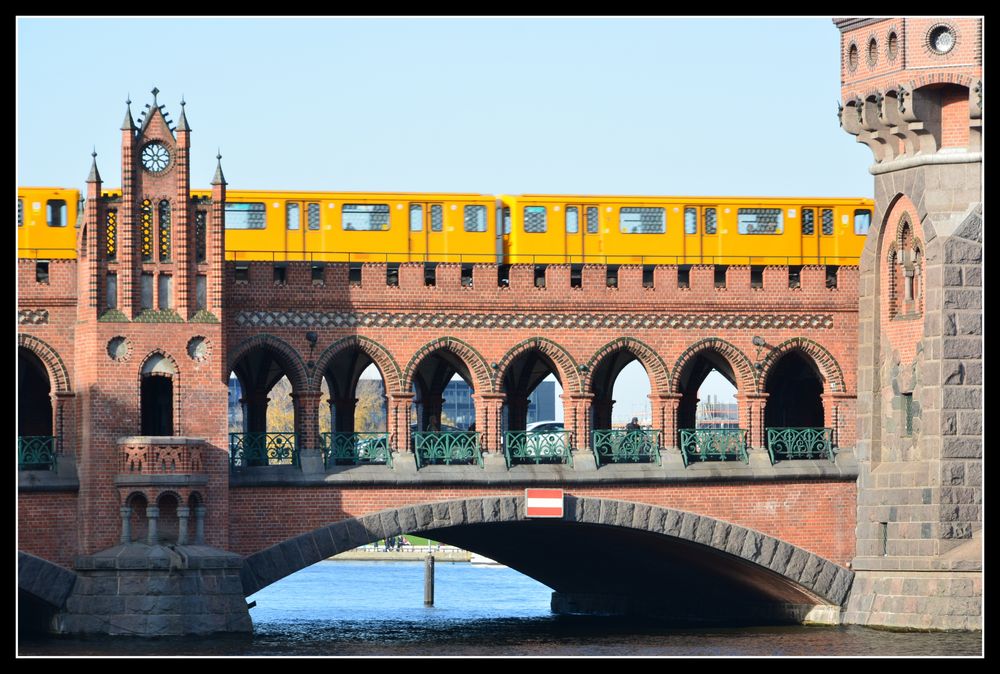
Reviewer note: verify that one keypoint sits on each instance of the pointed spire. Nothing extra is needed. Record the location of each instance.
(182, 123)
(94, 176)
(129, 123)
(154, 92)
(219, 179)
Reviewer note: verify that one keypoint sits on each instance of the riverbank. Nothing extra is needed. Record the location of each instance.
(409, 554)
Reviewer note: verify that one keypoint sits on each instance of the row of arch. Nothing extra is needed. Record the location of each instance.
(576, 377)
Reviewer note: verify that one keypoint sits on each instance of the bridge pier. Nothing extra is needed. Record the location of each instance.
(156, 590)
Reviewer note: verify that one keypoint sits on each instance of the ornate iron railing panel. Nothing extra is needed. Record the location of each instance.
(263, 449)
(713, 444)
(36, 452)
(540, 447)
(447, 447)
(626, 446)
(799, 443)
(340, 449)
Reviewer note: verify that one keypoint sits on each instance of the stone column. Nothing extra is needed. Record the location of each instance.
(399, 421)
(183, 512)
(602, 409)
(489, 422)
(344, 413)
(126, 513)
(306, 405)
(751, 406)
(577, 420)
(152, 515)
(517, 412)
(199, 525)
(255, 412)
(665, 420)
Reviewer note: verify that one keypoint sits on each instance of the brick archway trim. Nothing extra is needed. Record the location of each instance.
(656, 369)
(290, 359)
(824, 360)
(568, 370)
(58, 373)
(738, 361)
(379, 354)
(473, 360)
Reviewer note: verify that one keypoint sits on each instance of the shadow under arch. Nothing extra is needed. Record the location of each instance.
(671, 553)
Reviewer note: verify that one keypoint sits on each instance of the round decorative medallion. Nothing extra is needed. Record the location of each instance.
(119, 348)
(198, 348)
(941, 39)
(155, 157)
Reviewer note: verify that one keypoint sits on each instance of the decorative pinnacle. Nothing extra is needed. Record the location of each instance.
(219, 179)
(155, 91)
(182, 123)
(94, 176)
(129, 123)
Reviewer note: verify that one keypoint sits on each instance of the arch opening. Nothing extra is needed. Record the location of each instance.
(157, 405)
(707, 366)
(620, 377)
(36, 441)
(795, 393)
(265, 415)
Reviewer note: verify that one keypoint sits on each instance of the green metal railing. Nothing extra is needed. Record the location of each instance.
(626, 446)
(799, 443)
(341, 449)
(540, 447)
(713, 444)
(36, 452)
(447, 447)
(263, 449)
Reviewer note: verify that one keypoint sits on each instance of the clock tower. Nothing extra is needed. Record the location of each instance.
(151, 371)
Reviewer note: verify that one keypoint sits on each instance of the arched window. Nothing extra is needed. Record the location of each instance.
(157, 396)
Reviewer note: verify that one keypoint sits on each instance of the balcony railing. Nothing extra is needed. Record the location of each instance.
(36, 452)
(263, 449)
(537, 447)
(713, 444)
(626, 446)
(447, 447)
(351, 449)
(799, 443)
(160, 456)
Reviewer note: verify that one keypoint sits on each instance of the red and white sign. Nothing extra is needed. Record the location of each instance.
(543, 502)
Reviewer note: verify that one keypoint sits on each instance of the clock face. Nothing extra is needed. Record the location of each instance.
(155, 157)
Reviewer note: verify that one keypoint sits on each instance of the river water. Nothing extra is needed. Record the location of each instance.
(336, 608)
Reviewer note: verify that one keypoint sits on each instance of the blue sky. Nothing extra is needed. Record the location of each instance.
(577, 106)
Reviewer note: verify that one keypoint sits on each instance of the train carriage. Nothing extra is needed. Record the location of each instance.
(46, 222)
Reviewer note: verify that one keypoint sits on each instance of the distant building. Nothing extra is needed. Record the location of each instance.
(460, 409)
(713, 414)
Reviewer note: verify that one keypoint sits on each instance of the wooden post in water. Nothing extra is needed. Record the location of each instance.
(429, 580)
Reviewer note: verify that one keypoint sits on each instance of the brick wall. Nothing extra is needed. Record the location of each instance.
(48, 526)
(816, 515)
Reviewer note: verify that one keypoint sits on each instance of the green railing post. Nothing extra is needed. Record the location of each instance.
(626, 446)
(713, 444)
(537, 447)
(36, 452)
(447, 447)
(356, 448)
(263, 449)
(799, 443)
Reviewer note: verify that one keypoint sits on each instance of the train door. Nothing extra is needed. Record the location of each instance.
(692, 235)
(294, 240)
(810, 237)
(593, 246)
(312, 235)
(711, 242)
(827, 227)
(574, 247)
(426, 231)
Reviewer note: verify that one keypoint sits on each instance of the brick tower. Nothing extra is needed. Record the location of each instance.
(152, 458)
(912, 92)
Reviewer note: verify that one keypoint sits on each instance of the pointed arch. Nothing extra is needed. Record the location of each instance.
(285, 354)
(379, 355)
(738, 361)
(566, 365)
(58, 373)
(650, 360)
(473, 360)
(827, 365)
(149, 366)
(159, 378)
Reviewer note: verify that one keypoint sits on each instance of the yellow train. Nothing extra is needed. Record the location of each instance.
(510, 229)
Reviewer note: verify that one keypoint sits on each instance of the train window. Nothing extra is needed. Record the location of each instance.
(20, 212)
(245, 216)
(690, 221)
(55, 213)
(572, 220)
(437, 218)
(416, 217)
(711, 220)
(312, 216)
(506, 220)
(862, 222)
(827, 221)
(292, 219)
(808, 224)
(592, 219)
(475, 218)
(759, 220)
(636, 220)
(534, 219)
(366, 217)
